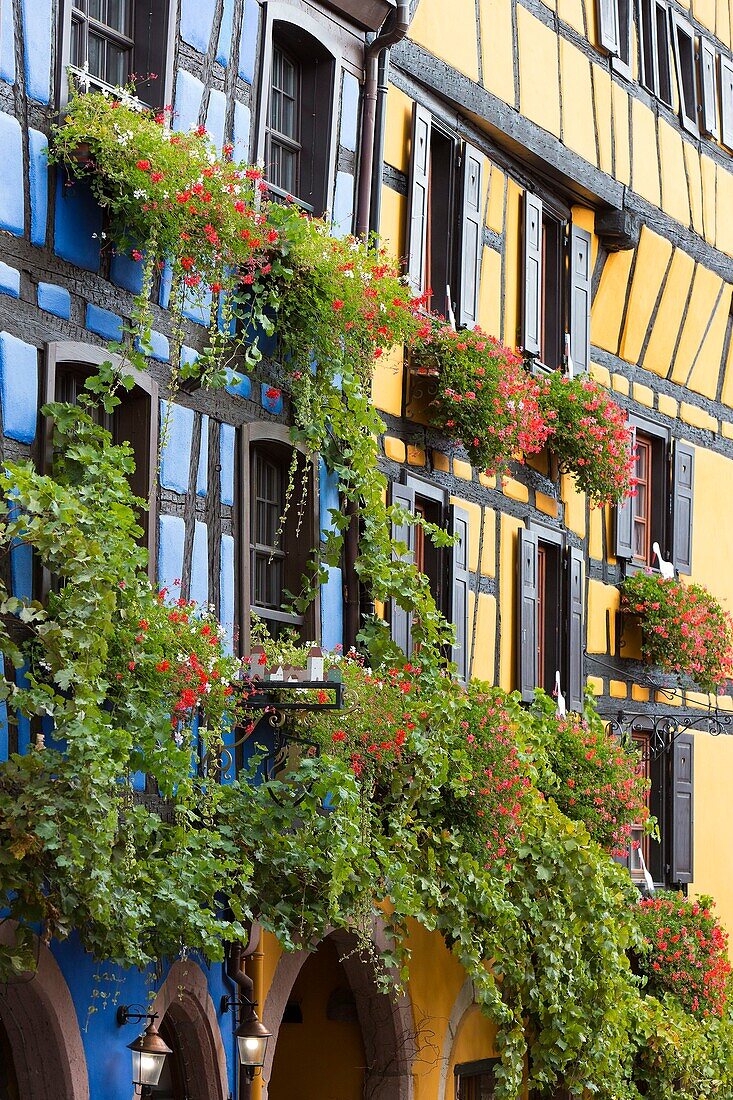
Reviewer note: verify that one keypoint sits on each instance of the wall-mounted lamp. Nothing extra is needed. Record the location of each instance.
(251, 1035)
(149, 1051)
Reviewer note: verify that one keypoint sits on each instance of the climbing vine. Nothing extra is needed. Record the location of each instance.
(449, 804)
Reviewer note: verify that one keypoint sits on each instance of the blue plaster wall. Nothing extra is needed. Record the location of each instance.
(197, 17)
(226, 591)
(54, 299)
(38, 25)
(18, 387)
(332, 609)
(38, 180)
(9, 280)
(171, 536)
(12, 200)
(189, 91)
(126, 272)
(343, 205)
(7, 42)
(349, 111)
(248, 40)
(200, 565)
(104, 1042)
(176, 428)
(215, 117)
(240, 137)
(202, 470)
(224, 47)
(227, 441)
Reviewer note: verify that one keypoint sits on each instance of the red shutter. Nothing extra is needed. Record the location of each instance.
(576, 630)
(472, 235)
(527, 614)
(459, 589)
(401, 620)
(709, 85)
(682, 817)
(580, 295)
(532, 314)
(682, 496)
(417, 207)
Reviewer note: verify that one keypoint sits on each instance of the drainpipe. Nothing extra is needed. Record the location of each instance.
(247, 990)
(375, 205)
(394, 32)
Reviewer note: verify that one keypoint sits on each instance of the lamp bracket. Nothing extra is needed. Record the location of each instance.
(126, 1015)
(235, 1002)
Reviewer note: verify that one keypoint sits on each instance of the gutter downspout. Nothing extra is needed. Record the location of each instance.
(397, 30)
(235, 973)
(375, 204)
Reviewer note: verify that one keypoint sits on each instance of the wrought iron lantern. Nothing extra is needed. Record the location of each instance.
(149, 1050)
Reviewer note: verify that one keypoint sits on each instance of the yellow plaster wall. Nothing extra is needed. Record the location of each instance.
(387, 382)
(484, 650)
(607, 313)
(578, 123)
(510, 333)
(476, 1039)
(508, 599)
(497, 40)
(603, 603)
(669, 315)
(652, 258)
(706, 370)
(539, 92)
(398, 129)
(645, 173)
(449, 31)
(713, 767)
(705, 291)
(712, 547)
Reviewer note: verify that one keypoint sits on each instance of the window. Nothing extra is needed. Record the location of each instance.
(446, 569)
(667, 759)
(615, 28)
(550, 615)
(109, 40)
(298, 114)
(556, 292)
(475, 1080)
(661, 511)
(709, 89)
(278, 546)
(445, 219)
(683, 40)
(654, 49)
(134, 421)
(726, 101)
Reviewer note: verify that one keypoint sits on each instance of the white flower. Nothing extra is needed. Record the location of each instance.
(349, 274)
(140, 194)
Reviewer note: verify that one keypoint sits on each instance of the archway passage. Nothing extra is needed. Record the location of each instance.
(190, 1071)
(8, 1077)
(320, 1051)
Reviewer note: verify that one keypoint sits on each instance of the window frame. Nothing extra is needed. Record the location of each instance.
(167, 50)
(662, 492)
(467, 1071)
(62, 353)
(551, 599)
(252, 435)
(659, 80)
(346, 51)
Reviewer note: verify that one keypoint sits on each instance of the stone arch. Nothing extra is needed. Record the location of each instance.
(185, 1005)
(463, 1002)
(386, 1023)
(39, 1018)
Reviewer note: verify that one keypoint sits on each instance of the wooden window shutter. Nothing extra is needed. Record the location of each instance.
(417, 206)
(726, 101)
(608, 29)
(576, 629)
(682, 817)
(625, 520)
(459, 589)
(527, 614)
(683, 41)
(472, 235)
(682, 492)
(709, 85)
(580, 298)
(150, 31)
(532, 314)
(401, 620)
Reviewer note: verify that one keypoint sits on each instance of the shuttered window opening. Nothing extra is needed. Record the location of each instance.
(475, 1080)
(655, 49)
(726, 101)
(447, 569)
(556, 293)
(445, 219)
(683, 39)
(614, 33)
(662, 510)
(550, 615)
(709, 89)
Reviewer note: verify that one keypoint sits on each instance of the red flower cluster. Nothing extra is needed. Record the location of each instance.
(595, 780)
(684, 628)
(686, 952)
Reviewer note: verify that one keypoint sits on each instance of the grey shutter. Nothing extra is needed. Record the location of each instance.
(726, 101)
(625, 520)
(532, 315)
(682, 816)
(580, 296)
(682, 493)
(608, 29)
(459, 589)
(401, 620)
(709, 85)
(576, 631)
(472, 235)
(150, 30)
(527, 614)
(683, 41)
(417, 207)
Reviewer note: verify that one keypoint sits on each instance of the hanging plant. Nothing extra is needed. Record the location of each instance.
(685, 952)
(486, 400)
(684, 629)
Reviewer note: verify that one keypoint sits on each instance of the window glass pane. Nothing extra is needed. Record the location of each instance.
(117, 69)
(77, 44)
(267, 581)
(117, 15)
(96, 56)
(96, 10)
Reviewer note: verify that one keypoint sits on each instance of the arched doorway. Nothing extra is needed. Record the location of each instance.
(196, 1068)
(41, 1051)
(336, 1036)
